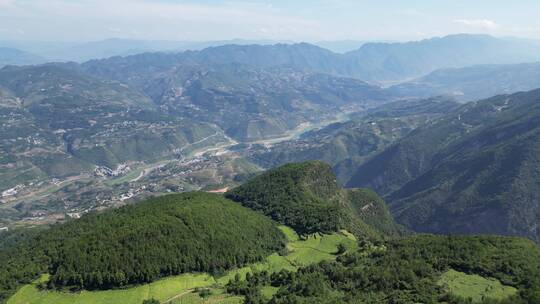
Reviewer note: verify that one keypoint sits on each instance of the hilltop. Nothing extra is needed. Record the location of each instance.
(306, 197)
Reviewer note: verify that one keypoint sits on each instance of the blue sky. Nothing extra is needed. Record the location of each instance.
(300, 20)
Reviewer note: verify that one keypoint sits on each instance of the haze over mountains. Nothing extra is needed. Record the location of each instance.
(375, 62)
(474, 82)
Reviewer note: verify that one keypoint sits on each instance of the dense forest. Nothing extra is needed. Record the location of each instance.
(404, 271)
(300, 195)
(201, 232)
(306, 197)
(138, 244)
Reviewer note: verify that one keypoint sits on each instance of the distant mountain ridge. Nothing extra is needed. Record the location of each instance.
(84, 51)
(378, 62)
(395, 61)
(375, 62)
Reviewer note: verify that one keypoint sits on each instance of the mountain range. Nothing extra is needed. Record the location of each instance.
(373, 62)
(62, 126)
(474, 170)
(379, 62)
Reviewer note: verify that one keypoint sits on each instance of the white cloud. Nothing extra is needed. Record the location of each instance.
(484, 24)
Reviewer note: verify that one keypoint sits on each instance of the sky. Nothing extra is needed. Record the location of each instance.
(292, 20)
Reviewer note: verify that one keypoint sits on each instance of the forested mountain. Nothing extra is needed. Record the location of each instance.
(138, 244)
(474, 83)
(473, 171)
(306, 197)
(347, 145)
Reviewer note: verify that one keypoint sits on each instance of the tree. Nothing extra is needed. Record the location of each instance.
(341, 249)
(205, 293)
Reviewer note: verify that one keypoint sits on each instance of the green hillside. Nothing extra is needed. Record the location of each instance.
(200, 247)
(413, 270)
(169, 235)
(306, 197)
(476, 170)
(183, 288)
(297, 195)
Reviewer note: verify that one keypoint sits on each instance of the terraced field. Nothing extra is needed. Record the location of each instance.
(181, 289)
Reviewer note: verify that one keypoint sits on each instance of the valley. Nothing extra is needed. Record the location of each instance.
(201, 166)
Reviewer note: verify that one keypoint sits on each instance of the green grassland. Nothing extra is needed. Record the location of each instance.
(161, 290)
(474, 287)
(181, 289)
(217, 297)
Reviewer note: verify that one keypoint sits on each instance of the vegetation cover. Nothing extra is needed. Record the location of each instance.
(192, 232)
(185, 288)
(298, 195)
(406, 271)
(306, 197)
(473, 171)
